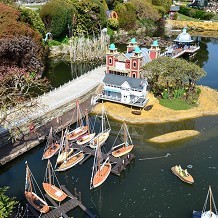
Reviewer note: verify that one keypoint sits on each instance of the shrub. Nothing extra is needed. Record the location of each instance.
(20, 46)
(164, 3)
(161, 10)
(145, 10)
(195, 13)
(31, 17)
(192, 12)
(91, 17)
(126, 15)
(6, 204)
(57, 17)
(113, 23)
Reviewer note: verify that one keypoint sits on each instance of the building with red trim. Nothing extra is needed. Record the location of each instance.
(130, 63)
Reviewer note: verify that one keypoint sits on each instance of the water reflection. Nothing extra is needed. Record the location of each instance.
(147, 188)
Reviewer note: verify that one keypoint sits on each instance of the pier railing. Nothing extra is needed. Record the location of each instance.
(19, 119)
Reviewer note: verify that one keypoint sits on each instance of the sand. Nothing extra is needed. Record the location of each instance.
(207, 105)
(174, 136)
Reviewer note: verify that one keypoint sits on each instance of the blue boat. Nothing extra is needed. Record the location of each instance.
(207, 213)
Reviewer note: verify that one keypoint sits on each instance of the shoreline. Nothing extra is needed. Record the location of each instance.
(207, 106)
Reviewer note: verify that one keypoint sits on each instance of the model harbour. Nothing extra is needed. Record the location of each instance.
(112, 151)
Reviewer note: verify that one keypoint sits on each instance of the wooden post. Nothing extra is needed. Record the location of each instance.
(80, 197)
(75, 192)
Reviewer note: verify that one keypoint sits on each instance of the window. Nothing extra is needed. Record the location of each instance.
(134, 64)
(110, 60)
(134, 75)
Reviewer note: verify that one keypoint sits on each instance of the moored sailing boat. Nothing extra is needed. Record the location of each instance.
(182, 174)
(51, 147)
(49, 184)
(105, 131)
(209, 213)
(87, 137)
(65, 150)
(38, 203)
(70, 159)
(100, 170)
(125, 147)
(80, 128)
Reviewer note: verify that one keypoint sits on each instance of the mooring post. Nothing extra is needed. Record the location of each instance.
(80, 197)
(75, 192)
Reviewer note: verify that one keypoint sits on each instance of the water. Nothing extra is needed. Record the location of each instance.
(147, 188)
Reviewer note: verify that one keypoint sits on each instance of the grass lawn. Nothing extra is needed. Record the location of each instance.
(183, 17)
(175, 104)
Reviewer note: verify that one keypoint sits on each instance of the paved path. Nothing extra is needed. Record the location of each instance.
(73, 89)
(61, 96)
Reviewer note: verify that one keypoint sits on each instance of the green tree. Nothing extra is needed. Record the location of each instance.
(57, 16)
(33, 19)
(174, 74)
(145, 10)
(126, 15)
(91, 17)
(164, 3)
(7, 204)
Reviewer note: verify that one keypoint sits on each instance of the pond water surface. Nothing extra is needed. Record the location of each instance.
(147, 188)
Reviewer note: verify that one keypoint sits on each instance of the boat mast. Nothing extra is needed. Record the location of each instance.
(98, 156)
(50, 139)
(210, 201)
(125, 134)
(102, 119)
(87, 122)
(28, 185)
(49, 171)
(78, 113)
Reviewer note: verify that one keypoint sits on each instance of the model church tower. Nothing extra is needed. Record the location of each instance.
(154, 51)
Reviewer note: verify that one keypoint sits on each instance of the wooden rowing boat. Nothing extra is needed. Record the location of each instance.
(49, 184)
(38, 203)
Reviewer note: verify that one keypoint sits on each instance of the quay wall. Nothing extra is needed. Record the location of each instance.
(58, 118)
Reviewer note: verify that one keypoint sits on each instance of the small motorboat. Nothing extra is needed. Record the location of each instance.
(182, 174)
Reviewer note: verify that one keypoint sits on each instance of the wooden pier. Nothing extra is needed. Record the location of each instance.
(61, 210)
(118, 164)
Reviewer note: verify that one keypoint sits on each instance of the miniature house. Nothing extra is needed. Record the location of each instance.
(123, 82)
(125, 90)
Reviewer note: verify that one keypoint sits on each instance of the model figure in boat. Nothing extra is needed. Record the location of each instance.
(182, 174)
(49, 184)
(38, 203)
(207, 213)
(80, 127)
(101, 169)
(105, 131)
(51, 147)
(126, 146)
(88, 136)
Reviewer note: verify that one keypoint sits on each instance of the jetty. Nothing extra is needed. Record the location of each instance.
(61, 210)
(178, 52)
(118, 164)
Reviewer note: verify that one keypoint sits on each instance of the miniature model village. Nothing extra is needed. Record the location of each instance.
(123, 85)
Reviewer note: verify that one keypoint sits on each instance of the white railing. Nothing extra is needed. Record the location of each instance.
(42, 110)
